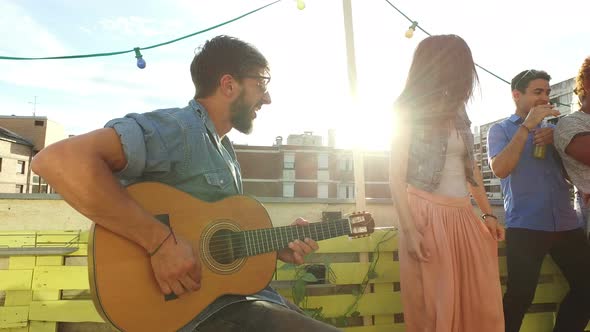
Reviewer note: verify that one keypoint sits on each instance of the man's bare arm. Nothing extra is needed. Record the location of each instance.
(81, 170)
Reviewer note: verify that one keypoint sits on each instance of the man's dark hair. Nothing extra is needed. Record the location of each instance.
(521, 81)
(220, 56)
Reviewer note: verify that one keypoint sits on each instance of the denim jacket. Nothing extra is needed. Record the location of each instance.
(427, 153)
(180, 147)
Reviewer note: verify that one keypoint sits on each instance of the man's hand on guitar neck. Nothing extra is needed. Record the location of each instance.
(177, 267)
(297, 250)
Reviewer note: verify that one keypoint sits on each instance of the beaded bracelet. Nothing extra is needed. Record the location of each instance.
(161, 243)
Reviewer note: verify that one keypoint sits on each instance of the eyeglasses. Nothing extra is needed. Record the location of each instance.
(520, 79)
(262, 81)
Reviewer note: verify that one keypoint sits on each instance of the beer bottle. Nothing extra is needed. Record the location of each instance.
(540, 149)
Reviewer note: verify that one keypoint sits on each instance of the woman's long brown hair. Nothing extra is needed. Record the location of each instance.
(440, 81)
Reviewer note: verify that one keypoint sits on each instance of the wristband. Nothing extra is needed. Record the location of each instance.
(485, 215)
(161, 243)
(525, 127)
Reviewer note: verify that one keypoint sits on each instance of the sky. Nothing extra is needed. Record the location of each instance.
(306, 50)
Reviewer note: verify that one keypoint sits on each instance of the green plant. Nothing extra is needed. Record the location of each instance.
(303, 277)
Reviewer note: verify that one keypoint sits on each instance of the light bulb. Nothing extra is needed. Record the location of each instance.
(139, 57)
(411, 29)
(300, 4)
(140, 63)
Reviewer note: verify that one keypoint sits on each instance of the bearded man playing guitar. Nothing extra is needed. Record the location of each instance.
(187, 149)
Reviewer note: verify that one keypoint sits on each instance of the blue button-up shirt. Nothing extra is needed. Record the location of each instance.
(536, 195)
(180, 147)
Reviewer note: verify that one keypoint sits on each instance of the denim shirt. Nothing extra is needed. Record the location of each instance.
(180, 147)
(427, 153)
(536, 194)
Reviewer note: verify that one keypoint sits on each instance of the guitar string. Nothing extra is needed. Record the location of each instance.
(268, 232)
(268, 238)
(263, 241)
(228, 252)
(293, 229)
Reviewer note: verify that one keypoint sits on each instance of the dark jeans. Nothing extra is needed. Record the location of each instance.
(261, 316)
(525, 251)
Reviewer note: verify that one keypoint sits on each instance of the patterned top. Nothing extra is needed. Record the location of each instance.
(568, 127)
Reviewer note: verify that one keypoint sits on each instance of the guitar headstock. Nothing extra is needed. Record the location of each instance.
(361, 224)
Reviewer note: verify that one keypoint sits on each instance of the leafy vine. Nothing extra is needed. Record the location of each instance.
(303, 277)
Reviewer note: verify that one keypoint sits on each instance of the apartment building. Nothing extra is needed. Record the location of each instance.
(15, 157)
(37, 132)
(562, 95)
(305, 168)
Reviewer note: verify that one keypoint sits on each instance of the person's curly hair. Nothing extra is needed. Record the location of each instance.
(583, 77)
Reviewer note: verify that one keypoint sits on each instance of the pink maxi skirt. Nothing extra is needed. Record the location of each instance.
(458, 289)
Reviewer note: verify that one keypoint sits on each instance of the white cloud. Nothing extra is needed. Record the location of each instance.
(23, 37)
(133, 26)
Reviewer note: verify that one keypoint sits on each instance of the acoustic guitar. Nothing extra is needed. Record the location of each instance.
(236, 243)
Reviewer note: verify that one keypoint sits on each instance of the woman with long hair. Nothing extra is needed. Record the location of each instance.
(448, 255)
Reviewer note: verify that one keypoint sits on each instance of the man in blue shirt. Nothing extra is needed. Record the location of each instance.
(186, 148)
(539, 217)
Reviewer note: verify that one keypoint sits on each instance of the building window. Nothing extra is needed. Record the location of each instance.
(19, 189)
(346, 191)
(288, 189)
(323, 175)
(39, 189)
(289, 175)
(345, 163)
(289, 161)
(323, 191)
(20, 167)
(39, 123)
(323, 161)
(493, 189)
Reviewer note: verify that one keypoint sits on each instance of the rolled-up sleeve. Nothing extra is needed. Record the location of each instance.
(132, 140)
(146, 142)
(497, 141)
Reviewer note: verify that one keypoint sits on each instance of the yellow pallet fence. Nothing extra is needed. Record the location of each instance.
(41, 291)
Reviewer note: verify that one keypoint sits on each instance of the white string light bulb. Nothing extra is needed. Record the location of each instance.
(411, 29)
(300, 4)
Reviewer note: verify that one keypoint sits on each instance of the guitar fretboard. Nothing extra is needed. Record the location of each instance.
(259, 241)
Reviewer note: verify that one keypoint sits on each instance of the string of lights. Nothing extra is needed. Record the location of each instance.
(140, 61)
(412, 29)
(300, 5)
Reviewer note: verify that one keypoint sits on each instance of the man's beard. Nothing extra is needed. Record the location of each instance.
(241, 115)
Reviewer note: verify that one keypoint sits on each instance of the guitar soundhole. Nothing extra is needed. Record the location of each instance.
(221, 246)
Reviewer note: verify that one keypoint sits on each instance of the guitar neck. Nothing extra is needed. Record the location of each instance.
(259, 241)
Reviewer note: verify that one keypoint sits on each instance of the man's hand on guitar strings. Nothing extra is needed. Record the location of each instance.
(177, 267)
(297, 249)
